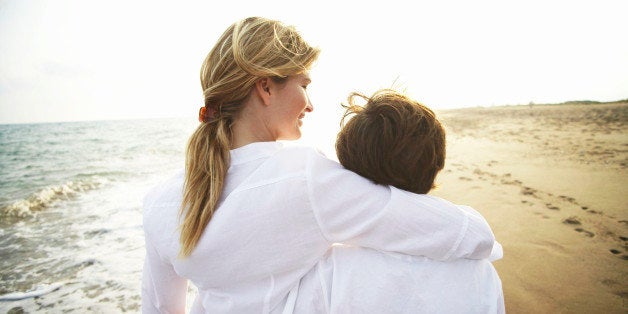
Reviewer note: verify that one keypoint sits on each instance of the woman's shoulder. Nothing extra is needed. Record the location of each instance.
(308, 156)
(289, 162)
(300, 149)
(160, 215)
(167, 193)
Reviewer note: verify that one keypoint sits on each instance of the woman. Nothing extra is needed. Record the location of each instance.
(249, 217)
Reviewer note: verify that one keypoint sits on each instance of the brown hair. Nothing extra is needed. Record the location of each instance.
(247, 51)
(392, 140)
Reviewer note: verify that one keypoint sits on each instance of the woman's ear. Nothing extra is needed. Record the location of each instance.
(262, 88)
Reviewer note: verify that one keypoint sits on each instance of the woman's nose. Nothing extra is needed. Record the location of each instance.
(309, 107)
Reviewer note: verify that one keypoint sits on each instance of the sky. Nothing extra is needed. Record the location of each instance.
(100, 60)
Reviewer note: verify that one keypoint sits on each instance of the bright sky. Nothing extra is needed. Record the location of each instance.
(93, 60)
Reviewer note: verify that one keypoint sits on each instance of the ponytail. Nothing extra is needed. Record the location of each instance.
(207, 162)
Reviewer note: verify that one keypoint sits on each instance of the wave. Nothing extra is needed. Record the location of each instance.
(110, 175)
(36, 292)
(47, 196)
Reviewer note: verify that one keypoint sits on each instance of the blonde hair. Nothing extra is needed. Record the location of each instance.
(247, 51)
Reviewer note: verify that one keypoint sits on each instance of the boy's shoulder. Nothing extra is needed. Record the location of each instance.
(412, 196)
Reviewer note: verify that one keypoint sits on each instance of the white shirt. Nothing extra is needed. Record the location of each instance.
(360, 280)
(281, 210)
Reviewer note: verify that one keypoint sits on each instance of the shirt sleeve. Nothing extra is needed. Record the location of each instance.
(163, 291)
(353, 210)
(497, 252)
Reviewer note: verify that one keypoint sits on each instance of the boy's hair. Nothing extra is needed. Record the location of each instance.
(392, 140)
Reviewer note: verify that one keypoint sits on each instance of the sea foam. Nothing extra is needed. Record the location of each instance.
(49, 195)
(36, 292)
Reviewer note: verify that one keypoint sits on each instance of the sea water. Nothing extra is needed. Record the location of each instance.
(71, 236)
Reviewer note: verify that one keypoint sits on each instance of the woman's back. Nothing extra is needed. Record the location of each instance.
(248, 255)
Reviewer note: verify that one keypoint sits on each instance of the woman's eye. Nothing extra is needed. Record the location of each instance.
(304, 87)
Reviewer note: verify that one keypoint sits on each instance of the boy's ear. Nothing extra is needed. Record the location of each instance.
(262, 88)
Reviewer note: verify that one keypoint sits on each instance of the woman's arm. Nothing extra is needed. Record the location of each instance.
(163, 291)
(351, 209)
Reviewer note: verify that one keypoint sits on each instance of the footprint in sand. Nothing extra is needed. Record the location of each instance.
(568, 198)
(586, 233)
(465, 179)
(573, 220)
(552, 207)
(481, 173)
(528, 191)
(459, 167)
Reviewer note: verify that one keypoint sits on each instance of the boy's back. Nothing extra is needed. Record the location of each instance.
(362, 280)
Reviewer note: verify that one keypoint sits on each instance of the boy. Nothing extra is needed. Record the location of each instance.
(396, 141)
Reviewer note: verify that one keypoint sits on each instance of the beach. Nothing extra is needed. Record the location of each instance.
(552, 181)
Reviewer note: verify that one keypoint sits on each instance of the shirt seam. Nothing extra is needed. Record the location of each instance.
(461, 235)
(266, 182)
(269, 295)
(310, 195)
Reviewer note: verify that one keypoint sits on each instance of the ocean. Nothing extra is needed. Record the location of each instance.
(71, 237)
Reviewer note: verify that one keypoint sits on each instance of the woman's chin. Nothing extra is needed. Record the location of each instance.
(291, 137)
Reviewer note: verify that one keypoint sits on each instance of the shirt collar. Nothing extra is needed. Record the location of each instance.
(254, 151)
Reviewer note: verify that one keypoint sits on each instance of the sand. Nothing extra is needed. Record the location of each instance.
(552, 181)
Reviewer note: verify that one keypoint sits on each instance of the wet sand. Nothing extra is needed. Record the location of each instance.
(552, 180)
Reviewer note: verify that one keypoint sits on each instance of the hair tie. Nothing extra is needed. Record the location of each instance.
(205, 115)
